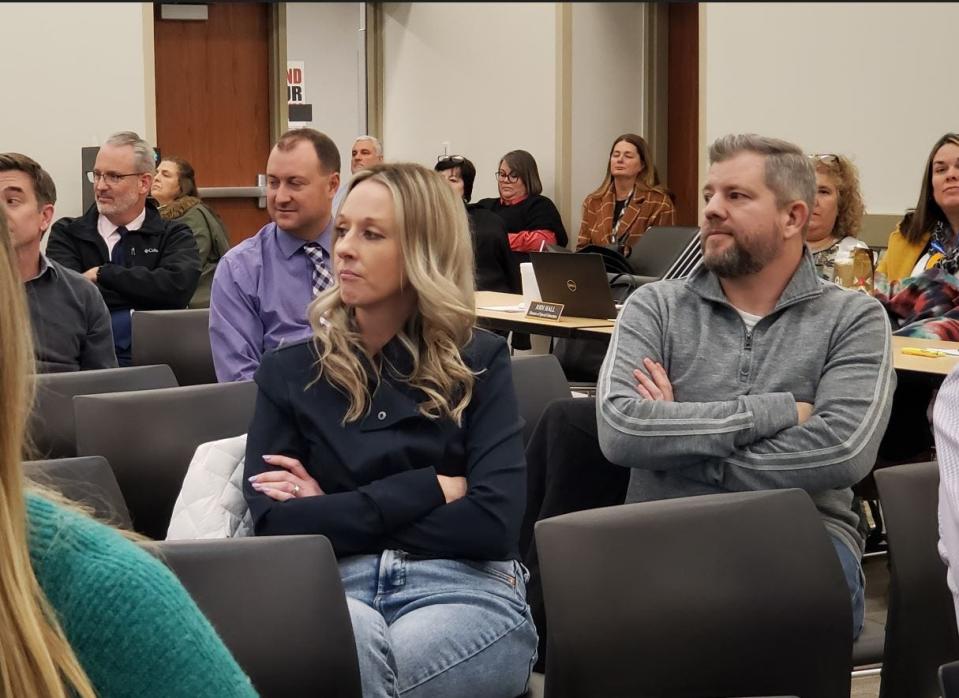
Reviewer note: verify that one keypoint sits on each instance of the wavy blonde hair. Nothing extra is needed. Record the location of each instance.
(35, 657)
(437, 251)
(850, 206)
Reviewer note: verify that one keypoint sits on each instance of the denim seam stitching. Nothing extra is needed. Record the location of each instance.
(468, 656)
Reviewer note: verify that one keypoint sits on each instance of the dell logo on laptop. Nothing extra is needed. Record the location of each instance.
(571, 285)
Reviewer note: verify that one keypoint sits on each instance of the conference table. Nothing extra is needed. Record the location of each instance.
(936, 365)
(505, 311)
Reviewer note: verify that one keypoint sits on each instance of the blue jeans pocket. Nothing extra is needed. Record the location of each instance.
(501, 571)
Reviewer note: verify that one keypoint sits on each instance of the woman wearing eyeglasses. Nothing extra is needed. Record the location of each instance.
(837, 216)
(494, 269)
(174, 189)
(927, 235)
(629, 201)
(531, 219)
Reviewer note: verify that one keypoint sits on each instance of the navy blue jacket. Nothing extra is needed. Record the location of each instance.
(379, 472)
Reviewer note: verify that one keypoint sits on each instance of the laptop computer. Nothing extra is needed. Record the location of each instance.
(578, 281)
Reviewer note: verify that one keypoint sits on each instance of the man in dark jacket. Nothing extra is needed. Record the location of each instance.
(136, 259)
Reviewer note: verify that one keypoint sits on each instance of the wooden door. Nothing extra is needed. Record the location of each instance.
(682, 150)
(213, 102)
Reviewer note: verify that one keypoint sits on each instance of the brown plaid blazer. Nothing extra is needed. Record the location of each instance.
(647, 208)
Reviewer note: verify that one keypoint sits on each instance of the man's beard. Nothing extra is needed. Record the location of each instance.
(122, 202)
(739, 260)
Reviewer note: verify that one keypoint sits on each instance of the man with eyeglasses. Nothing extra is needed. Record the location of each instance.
(121, 244)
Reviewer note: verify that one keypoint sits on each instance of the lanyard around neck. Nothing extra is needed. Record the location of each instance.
(615, 232)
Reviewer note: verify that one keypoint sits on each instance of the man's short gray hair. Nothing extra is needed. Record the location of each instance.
(143, 157)
(790, 174)
(373, 139)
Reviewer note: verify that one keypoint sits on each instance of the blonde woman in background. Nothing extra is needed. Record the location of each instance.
(395, 433)
(629, 201)
(83, 611)
(837, 216)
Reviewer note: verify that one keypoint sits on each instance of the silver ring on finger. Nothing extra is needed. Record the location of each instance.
(296, 490)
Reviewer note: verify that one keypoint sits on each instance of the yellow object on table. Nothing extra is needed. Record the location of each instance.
(930, 353)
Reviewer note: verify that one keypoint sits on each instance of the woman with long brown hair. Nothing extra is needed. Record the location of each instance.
(629, 201)
(928, 236)
(178, 199)
(84, 611)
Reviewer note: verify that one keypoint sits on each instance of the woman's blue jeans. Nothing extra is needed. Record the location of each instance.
(439, 627)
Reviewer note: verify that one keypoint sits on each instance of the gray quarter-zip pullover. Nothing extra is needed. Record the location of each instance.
(734, 425)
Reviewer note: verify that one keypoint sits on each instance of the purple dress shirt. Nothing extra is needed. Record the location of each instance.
(260, 293)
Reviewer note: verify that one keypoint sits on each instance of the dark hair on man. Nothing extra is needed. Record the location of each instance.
(467, 172)
(326, 150)
(523, 165)
(43, 186)
(927, 212)
(186, 177)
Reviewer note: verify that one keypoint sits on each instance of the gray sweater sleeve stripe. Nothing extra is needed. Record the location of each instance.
(866, 431)
(670, 433)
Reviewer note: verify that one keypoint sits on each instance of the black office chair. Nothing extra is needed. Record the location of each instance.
(720, 595)
(665, 252)
(921, 621)
(178, 338)
(279, 605)
(538, 380)
(149, 438)
(867, 649)
(949, 680)
(51, 428)
(88, 481)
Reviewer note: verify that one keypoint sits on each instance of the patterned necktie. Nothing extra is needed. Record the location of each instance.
(322, 278)
(118, 255)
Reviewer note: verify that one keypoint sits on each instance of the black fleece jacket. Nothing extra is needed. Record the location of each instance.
(162, 264)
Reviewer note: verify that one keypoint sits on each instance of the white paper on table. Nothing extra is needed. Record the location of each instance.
(518, 308)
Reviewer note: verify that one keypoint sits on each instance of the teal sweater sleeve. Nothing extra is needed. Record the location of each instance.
(132, 625)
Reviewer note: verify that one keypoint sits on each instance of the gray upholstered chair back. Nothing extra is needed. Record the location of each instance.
(52, 430)
(661, 248)
(921, 620)
(279, 605)
(87, 481)
(538, 380)
(720, 595)
(178, 338)
(149, 437)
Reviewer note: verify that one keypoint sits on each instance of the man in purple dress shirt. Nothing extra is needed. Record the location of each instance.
(262, 287)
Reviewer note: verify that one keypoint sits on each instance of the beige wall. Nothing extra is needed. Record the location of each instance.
(483, 77)
(874, 81)
(480, 76)
(607, 89)
(326, 37)
(75, 73)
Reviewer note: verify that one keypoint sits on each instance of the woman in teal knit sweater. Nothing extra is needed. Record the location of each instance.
(83, 611)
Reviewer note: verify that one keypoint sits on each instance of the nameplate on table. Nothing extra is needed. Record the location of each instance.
(544, 311)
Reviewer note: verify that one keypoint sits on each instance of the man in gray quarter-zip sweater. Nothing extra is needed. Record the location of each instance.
(753, 373)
